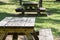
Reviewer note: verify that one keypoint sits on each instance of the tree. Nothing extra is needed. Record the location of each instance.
(57, 0)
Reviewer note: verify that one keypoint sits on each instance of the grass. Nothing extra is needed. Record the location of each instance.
(52, 21)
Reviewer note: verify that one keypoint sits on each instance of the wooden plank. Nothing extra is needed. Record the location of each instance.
(16, 21)
(30, 21)
(45, 34)
(5, 21)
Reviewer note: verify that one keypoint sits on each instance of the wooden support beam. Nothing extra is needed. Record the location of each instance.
(3, 35)
(15, 36)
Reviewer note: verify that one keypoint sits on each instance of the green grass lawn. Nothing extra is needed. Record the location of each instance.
(52, 21)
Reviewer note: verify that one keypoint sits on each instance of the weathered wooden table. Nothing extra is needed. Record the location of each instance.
(17, 26)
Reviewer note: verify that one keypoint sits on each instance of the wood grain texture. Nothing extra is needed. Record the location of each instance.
(5, 21)
(30, 21)
(18, 21)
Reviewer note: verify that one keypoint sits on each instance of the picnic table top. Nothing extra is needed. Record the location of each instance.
(17, 22)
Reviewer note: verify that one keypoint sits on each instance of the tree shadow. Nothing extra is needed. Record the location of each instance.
(56, 21)
(55, 31)
(42, 20)
(3, 3)
(49, 1)
(53, 11)
(4, 14)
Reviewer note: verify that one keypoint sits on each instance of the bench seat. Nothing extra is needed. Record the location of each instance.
(19, 9)
(41, 9)
(30, 10)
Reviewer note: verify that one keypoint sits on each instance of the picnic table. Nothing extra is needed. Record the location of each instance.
(30, 7)
(17, 26)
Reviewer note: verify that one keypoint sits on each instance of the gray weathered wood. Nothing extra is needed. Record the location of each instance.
(30, 21)
(5, 21)
(45, 34)
(18, 21)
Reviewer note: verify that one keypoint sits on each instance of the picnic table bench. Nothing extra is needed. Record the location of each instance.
(45, 34)
(17, 26)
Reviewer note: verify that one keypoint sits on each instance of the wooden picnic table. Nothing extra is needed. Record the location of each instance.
(17, 25)
(30, 7)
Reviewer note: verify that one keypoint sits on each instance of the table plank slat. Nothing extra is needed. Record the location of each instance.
(18, 22)
(30, 21)
(5, 21)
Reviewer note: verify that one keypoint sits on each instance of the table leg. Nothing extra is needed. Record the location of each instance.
(35, 36)
(22, 12)
(29, 36)
(15, 36)
(3, 35)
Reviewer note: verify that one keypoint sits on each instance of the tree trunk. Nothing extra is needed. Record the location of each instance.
(57, 0)
(40, 3)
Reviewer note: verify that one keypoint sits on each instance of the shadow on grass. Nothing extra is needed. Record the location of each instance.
(53, 11)
(42, 20)
(3, 3)
(49, 1)
(4, 14)
(55, 31)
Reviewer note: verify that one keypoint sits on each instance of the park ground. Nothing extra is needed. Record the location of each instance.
(7, 8)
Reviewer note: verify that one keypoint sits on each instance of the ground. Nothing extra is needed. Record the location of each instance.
(20, 37)
(7, 8)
